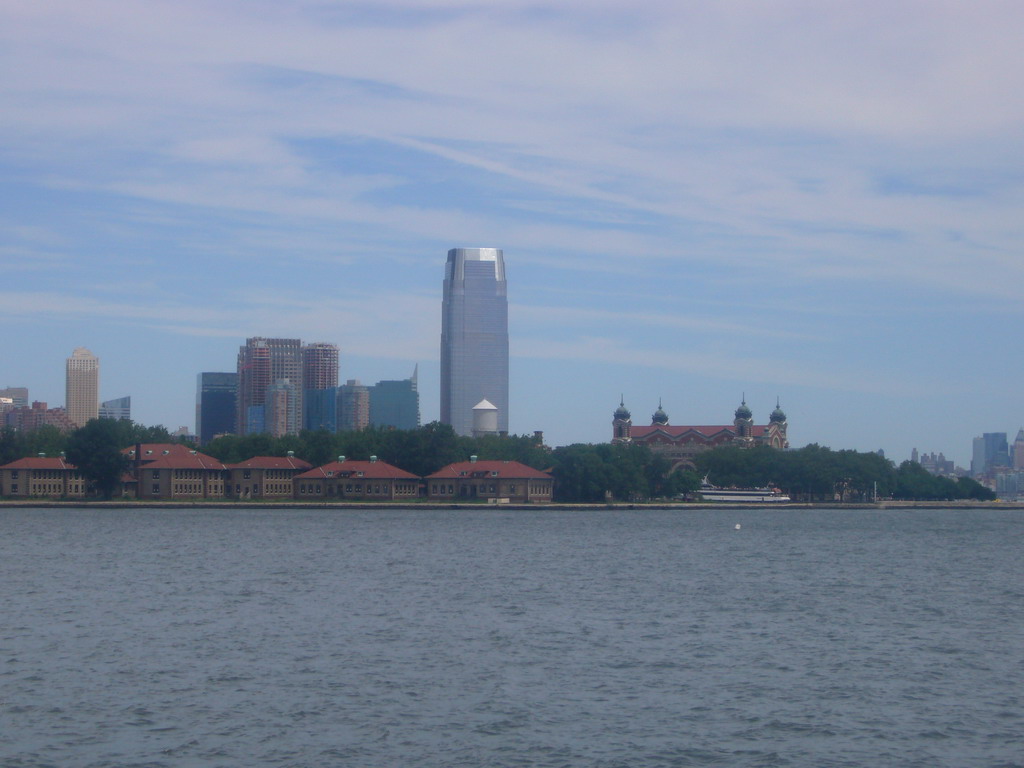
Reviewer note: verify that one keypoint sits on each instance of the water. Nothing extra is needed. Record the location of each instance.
(241, 637)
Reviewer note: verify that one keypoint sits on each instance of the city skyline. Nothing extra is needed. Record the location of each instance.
(817, 204)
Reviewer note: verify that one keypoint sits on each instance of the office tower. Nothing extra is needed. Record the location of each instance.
(261, 362)
(989, 451)
(320, 409)
(82, 386)
(280, 409)
(1018, 450)
(216, 395)
(474, 337)
(119, 409)
(396, 404)
(320, 380)
(17, 395)
(353, 406)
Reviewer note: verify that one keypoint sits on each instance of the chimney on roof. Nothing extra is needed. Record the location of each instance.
(290, 454)
(341, 459)
(472, 459)
(41, 455)
(373, 459)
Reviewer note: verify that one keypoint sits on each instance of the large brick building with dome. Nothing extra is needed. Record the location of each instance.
(679, 444)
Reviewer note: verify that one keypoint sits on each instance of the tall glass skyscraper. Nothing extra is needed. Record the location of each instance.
(216, 396)
(474, 337)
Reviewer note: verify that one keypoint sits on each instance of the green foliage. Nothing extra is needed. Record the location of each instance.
(96, 450)
(972, 489)
(627, 472)
(16, 445)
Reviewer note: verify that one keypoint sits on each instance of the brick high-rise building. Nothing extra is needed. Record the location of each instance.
(261, 363)
(82, 386)
(319, 366)
(320, 386)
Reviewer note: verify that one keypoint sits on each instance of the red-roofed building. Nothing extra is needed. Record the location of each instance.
(264, 477)
(679, 444)
(476, 479)
(41, 477)
(175, 471)
(371, 480)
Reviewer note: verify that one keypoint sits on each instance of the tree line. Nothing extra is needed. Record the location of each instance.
(815, 473)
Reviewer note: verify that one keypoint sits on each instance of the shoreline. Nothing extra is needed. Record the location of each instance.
(551, 507)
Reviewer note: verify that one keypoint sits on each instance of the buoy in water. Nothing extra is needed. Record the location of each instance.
(738, 526)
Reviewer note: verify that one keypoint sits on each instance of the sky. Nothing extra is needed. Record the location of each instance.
(697, 202)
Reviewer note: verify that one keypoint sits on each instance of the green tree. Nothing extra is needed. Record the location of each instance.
(96, 450)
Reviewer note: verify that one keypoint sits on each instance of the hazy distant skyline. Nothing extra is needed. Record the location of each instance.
(819, 202)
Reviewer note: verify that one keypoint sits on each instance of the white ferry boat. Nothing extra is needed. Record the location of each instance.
(709, 492)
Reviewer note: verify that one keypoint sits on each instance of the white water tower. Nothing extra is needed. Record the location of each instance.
(485, 419)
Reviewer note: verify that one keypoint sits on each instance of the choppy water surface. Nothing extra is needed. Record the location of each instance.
(499, 638)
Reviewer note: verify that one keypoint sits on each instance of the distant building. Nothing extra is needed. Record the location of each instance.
(29, 418)
(320, 366)
(82, 386)
(474, 337)
(281, 409)
(486, 480)
(216, 404)
(119, 409)
(320, 409)
(396, 404)
(353, 406)
(936, 464)
(1009, 486)
(1018, 450)
(320, 383)
(679, 444)
(18, 396)
(261, 363)
(990, 453)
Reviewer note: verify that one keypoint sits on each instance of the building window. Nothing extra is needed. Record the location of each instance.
(246, 474)
(156, 474)
(156, 489)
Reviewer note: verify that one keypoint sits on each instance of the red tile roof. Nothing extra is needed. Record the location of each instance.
(271, 462)
(373, 470)
(173, 456)
(705, 430)
(39, 462)
(504, 469)
(151, 450)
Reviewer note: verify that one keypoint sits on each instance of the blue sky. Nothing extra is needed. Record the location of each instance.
(820, 202)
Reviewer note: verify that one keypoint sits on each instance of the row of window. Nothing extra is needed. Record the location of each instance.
(46, 474)
(48, 489)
